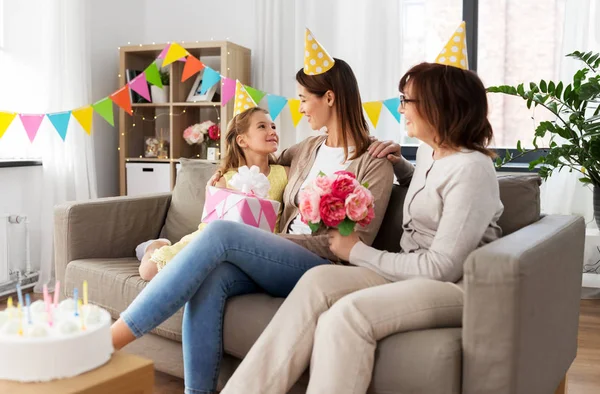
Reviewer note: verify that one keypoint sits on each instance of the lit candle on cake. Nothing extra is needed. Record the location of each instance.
(85, 292)
(76, 298)
(56, 292)
(28, 301)
(20, 294)
(20, 319)
(9, 307)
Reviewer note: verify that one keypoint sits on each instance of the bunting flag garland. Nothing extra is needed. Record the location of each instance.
(243, 101)
(31, 123)
(295, 111)
(6, 119)
(276, 105)
(192, 66)
(140, 86)
(84, 117)
(256, 94)
(392, 105)
(121, 98)
(174, 53)
(373, 110)
(164, 52)
(227, 90)
(153, 76)
(209, 79)
(104, 108)
(60, 121)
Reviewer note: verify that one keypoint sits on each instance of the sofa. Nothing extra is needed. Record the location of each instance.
(521, 312)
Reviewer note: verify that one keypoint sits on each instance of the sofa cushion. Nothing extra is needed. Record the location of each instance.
(388, 236)
(113, 284)
(520, 195)
(187, 202)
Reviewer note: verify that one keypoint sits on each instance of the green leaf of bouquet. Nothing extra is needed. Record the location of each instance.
(346, 227)
(314, 227)
(321, 173)
(366, 185)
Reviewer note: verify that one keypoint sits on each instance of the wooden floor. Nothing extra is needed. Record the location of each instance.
(583, 377)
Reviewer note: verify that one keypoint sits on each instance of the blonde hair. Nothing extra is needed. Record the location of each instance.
(234, 155)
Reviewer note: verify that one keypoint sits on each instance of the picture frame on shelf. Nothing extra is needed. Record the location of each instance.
(195, 95)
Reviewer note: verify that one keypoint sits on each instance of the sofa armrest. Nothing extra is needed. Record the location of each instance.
(106, 228)
(521, 313)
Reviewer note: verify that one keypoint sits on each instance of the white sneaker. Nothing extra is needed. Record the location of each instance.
(140, 250)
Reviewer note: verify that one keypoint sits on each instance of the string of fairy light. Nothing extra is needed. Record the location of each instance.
(136, 110)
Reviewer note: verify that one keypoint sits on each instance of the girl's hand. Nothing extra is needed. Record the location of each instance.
(215, 178)
(342, 246)
(388, 149)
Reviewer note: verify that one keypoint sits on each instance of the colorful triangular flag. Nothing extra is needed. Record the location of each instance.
(140, 86)
(84, 117)
(276, 104)
(256, 94)
(373, 110)
(392, 105)
(121, 98)
(6, 119)
(104, 108)
(295, 111)
(209, 79)
(60, 121)
(243, 101)
(153, 76)
(454, 52)
(31, 123)
(192, 66)
(174, 53)
(227, 90)
(163, 53)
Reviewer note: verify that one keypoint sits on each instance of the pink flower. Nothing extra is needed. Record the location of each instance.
(323, 183)
(347, 173)
(332, 210)
(309, 206)
(214, 132)
(358, 203)
(369, 217)
(193, 135)
(343, 185)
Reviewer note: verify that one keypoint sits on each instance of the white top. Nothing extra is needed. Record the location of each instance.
(452, 207)
(328, 160)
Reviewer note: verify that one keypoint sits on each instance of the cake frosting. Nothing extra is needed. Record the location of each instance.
(34, 350)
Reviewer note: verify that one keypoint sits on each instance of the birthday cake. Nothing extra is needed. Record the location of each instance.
(45, 341)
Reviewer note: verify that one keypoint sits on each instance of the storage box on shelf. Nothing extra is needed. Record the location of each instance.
(167, 121)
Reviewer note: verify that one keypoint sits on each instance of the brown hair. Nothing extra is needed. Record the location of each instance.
(341, 81)
(234, 155)
(454, 102)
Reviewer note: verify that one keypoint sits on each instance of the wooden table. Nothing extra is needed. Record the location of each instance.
(124, 374)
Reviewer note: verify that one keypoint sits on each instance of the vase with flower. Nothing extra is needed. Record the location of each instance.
(214, 139)
(197, 135)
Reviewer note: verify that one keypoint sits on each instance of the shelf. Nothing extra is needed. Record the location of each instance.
(151, 105)
(147, 160)
(198, 104)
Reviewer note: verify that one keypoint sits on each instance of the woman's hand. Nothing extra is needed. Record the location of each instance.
(342, 245)
(388, 149)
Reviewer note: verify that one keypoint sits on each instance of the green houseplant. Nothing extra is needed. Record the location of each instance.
(574, 136)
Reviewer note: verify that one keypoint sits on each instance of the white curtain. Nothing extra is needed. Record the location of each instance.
(46, 64)
(562, 193)
(366, 34)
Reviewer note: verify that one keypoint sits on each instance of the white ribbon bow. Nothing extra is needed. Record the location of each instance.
(251, 181)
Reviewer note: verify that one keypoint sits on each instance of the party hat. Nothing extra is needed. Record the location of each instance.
(455, 51)
(316, 59)
(243, 101)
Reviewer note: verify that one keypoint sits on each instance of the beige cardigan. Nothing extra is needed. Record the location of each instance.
(378, 173)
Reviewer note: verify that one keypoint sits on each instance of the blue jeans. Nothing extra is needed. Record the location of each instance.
(225, 260)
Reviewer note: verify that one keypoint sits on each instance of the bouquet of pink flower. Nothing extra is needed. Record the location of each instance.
(337, 201)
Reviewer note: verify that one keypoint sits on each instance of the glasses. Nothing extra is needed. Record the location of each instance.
(404, 100)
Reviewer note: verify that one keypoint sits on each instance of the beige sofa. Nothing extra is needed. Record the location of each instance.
(522, 292)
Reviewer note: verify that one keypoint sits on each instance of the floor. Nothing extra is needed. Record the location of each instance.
(583, 377)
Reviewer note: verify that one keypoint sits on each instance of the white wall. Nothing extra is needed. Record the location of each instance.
(21, 190)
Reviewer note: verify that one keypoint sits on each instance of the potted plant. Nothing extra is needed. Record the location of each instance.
(161, 95)
(575, 133)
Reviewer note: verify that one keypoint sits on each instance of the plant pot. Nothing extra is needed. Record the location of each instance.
(160, 95)
(597, 205)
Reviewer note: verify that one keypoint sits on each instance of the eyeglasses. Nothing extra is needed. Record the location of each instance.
(404, 100)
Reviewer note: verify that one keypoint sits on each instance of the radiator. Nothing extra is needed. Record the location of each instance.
(12, 271)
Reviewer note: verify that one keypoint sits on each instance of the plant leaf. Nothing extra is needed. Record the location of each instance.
(346, 227)
(314, 227)
(558, 90)
(585, 180)
(366, 185)
(519, 148)
(321, 173)
(551, 87)
(543, 86)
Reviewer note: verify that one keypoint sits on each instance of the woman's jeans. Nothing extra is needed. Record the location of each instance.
(225, 260)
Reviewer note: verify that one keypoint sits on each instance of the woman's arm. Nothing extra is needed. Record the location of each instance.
(380, 177)
(286, 157)
(470, 202)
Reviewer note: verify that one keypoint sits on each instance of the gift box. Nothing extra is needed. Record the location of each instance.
(233, 205)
